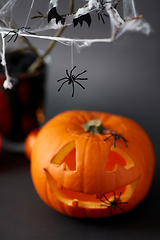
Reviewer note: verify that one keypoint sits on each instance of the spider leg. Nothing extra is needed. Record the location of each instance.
(114, 142)
(25, 28)
(79, 84)
(73, 89)
(62, 79)
(125, 141)
(121, 208)
(106, 198)
(10, 37)
(98, 16)
(119, 197)
(16, 36)
(104, 205)
(106, 15)
(103, 202)
(72, 71)
(102, 18)
(80, 73)
(114, 196)
(9, 33)
(67, 73)
(81, 78)
(25, 38)
(107, 138)
(62, 85)
(31, 33)
(122, 203)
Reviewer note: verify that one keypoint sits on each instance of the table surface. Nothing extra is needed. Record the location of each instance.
(23, 215)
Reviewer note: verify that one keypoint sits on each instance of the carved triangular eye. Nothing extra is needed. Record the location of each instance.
(117, 156)
(66, 155)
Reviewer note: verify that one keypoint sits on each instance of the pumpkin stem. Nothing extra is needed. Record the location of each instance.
(95, 126)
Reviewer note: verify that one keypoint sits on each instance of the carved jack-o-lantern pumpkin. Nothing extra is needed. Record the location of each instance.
(92, 164)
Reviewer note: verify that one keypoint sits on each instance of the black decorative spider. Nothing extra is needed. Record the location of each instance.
(101, 10)
(116, 136)
(17, 32)
(113, 204)
(71, 79)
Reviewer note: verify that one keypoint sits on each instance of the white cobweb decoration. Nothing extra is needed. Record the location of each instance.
(129, 21)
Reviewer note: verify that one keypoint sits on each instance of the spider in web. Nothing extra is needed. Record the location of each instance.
(116, 136)
(72, 79)
(113, 204)
(101, 10)
(18, 31)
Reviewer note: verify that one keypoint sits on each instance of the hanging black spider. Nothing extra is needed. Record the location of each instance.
(17, 32)
(72, 79)
(116, 136)
(113, 204)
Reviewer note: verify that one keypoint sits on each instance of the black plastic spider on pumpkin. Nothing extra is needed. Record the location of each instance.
(116, 136)
(113, 204)
(17, 32)
(72, 79)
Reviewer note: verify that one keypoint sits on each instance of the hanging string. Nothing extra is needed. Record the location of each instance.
(7, 83)
(72, 55)
(29, 13)
(3, 62)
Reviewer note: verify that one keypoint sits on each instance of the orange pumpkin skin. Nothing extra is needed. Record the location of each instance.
(29, 142)
(73, 171)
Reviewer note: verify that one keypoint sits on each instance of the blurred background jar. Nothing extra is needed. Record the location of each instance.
(22, 107)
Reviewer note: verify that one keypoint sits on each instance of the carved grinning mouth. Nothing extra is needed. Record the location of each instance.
(67, 156)
(84, 200)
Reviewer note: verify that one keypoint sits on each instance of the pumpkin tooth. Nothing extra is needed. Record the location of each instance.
(115, 167)
(75, 203)
(67, 168)
(63, 165)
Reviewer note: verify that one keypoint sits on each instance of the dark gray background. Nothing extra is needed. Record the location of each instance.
(123, 78)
